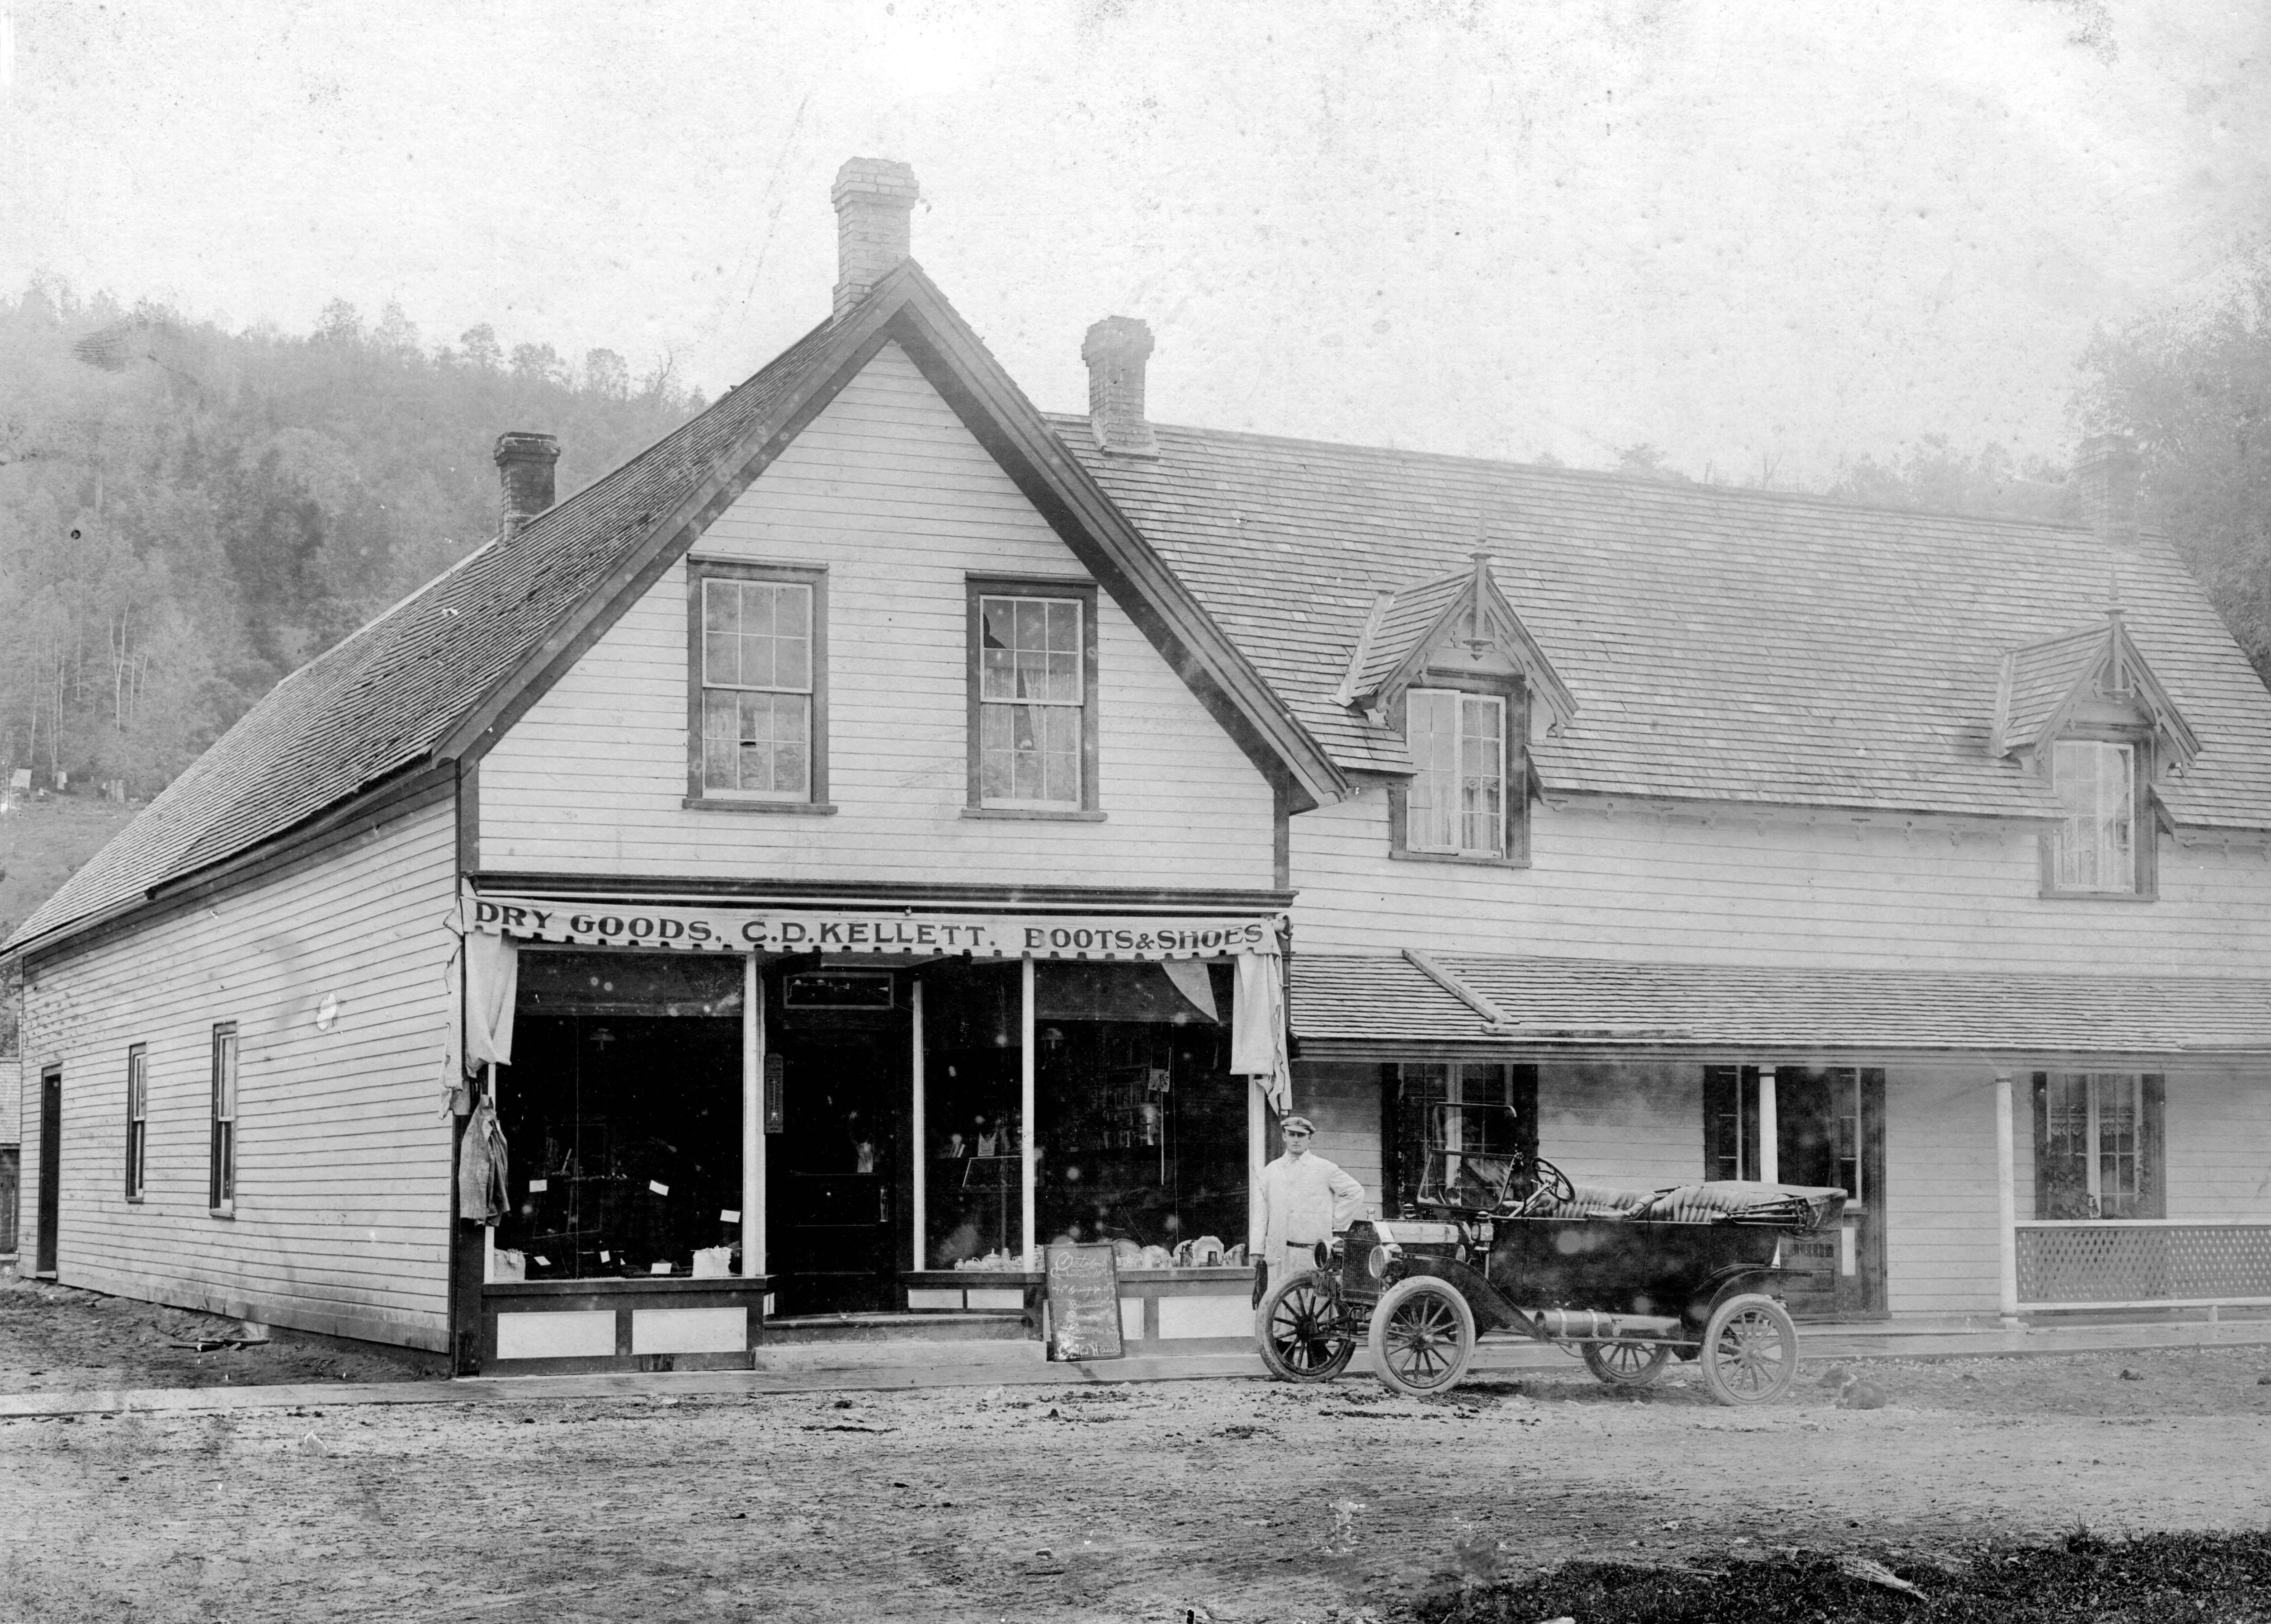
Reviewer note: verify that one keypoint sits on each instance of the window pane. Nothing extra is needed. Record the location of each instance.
(771, 743)
(756, 634)
(1431, 802)
(719, 728)
(1031, 623)
(993, 752)
(2094, 786)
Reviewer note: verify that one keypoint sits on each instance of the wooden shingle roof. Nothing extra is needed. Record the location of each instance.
(1353, 1002)
(1721, 644)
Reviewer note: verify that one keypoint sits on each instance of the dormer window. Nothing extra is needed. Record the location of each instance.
(1448, 664)
(1456, 802)
(2086, 716)
(2095, 847)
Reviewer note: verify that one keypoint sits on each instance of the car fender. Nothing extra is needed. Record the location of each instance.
(1491, 1307)
(1733, 1280)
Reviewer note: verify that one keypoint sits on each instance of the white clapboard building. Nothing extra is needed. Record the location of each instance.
(883, 829)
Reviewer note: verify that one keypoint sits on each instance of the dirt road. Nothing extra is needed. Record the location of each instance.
(1248, 1499)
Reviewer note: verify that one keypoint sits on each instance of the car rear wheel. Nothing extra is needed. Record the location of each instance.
(1305, 1335)
(1626, 1364)
(1423, 1333)
(1750, 1351)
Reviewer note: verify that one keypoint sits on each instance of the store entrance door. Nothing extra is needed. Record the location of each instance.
(1829, 1130)
(836, 1224)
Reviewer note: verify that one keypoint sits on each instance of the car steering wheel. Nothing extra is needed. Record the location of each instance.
(1547, 1183)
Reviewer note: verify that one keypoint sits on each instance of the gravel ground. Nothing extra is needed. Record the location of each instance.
(1223, 1500)
(57, 1339)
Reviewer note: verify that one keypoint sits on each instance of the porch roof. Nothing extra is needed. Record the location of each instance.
(1346, 1001)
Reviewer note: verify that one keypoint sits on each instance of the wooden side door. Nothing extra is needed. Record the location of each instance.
(51, 1167)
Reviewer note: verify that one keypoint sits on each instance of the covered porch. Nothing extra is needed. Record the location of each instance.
(2023, 1144)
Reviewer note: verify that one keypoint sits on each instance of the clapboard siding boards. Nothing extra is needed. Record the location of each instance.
(1769, 889)
(893, 496)
(342, 1206)
(11, 1100)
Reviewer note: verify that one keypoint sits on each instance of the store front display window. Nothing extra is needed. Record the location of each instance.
(1143, 1128)
(622, 1113)
(973, 1017)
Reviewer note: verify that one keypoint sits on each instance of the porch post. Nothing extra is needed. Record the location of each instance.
(753, 1119)
(1025, 1170)
(921, 1180)
(1257, 1153)
(1769, 1129)
(2006, 1204)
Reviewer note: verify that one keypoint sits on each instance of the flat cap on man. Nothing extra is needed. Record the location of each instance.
(1301, 1124)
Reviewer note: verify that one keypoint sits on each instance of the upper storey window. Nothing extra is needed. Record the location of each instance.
(2095, 847)
(759, 721)
(1032, 698)
(1457, 799)
(2086, 714)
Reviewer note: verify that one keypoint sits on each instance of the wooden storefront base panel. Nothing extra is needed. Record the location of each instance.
(1205, 1316)
(587, 1333)
(690, 1331)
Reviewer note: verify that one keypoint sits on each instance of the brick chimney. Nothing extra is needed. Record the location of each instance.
(523, 461)
(873, 198)
(1116, 349)
(2107, 472)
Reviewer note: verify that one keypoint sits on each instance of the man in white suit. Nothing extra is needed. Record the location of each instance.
(1304, 1199)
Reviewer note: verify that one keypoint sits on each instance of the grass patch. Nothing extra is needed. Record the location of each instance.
(2153, 1579)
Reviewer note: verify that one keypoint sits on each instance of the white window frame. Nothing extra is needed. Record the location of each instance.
(220, 1179)
(137, 1119)
(2094, 851)
(988, 700)
(1466, 773)
(711, 684)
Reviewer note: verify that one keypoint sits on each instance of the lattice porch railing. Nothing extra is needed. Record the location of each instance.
(2146, 1264)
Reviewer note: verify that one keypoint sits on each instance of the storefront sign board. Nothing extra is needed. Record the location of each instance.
(1083, 1302)
(771, 930)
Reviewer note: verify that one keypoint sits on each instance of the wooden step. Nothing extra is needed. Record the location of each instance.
(911, 1327)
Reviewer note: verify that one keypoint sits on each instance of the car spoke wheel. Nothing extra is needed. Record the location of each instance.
(1750, 1351)
(1626, 1364)
(1423, 1333)
(1303, 1330)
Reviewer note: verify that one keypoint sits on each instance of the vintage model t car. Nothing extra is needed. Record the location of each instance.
(1498, 1239)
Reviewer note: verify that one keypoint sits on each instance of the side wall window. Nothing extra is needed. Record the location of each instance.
(137, 1119)
(221, 1170)
(1468, 800)
(2099, 1143)
(756, 685)
(1032, 697)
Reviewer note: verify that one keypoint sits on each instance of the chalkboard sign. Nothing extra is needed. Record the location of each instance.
(1084, 1302)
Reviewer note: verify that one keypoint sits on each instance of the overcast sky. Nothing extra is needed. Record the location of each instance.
(1740, 229)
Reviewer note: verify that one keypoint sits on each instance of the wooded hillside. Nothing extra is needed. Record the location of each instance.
(187, 514)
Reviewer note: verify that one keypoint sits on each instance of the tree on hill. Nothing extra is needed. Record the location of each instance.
(188, 514)
(1930, 475)
(2193, 388)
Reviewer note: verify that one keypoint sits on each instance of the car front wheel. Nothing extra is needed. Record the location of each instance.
(1304, 1333)
(1423, 1333)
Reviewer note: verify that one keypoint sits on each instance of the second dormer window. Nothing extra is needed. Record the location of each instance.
(2094, 848)
(1456, 802)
